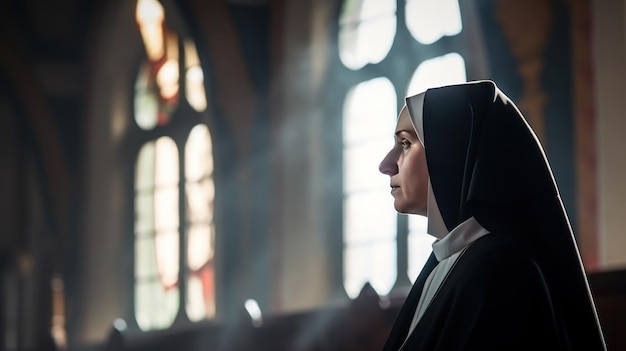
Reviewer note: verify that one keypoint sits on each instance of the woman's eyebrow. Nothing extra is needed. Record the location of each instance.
(401, 131)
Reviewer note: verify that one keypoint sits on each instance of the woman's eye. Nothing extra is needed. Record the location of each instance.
(405, 144)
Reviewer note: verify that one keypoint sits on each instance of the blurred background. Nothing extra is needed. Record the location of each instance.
(202, 175)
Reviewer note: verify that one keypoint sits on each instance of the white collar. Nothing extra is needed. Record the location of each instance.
(464, 234)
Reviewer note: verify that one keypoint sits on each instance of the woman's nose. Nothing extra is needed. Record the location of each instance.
(388, 165)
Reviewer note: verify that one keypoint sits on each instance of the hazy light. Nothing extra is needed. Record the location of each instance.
(57, 329)
(120, 324)
(254, 311)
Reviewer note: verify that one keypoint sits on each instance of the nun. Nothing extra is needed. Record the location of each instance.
(505, 272)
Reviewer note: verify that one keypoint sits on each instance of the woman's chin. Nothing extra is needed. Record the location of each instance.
(404, 209)
(399, 208)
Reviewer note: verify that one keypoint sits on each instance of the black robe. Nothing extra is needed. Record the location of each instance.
(522, 287)
(493, 299)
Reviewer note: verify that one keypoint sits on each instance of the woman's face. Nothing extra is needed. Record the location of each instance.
(405, 164)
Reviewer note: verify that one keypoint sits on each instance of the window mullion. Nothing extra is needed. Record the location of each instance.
(403, 257)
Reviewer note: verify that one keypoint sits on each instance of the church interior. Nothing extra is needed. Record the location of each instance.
(202, 175)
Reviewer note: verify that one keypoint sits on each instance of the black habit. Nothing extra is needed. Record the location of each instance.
(523, 286)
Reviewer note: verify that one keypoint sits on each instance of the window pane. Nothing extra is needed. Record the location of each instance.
(143, 304)
(361, 167)
(373, 263)
(198, 154)
(199, 246)
(166, 163)
(439, 71)
(167, 75)
(168, 306)
(201, 295)
(144, 213)
(420, 245)
(429, 20)
(166, 208)
(150, 294)
(150, 16)
(369, 217)
(383, 267)
(167, 79)
(354, 11)
(369, 118)
(370, 112)
(145, 258)
(194, 78)
(144, 171)
(356, 265)
(366, 33)
(167, 246)
(200, 201)
(195, 301)
(146, 102)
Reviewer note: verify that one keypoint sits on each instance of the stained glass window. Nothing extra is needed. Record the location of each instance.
(162, 179)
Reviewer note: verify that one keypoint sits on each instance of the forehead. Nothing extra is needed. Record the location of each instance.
(404, 122)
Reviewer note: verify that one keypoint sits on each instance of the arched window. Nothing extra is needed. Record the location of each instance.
(388, 49)
(174, 232)
(369, 217)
